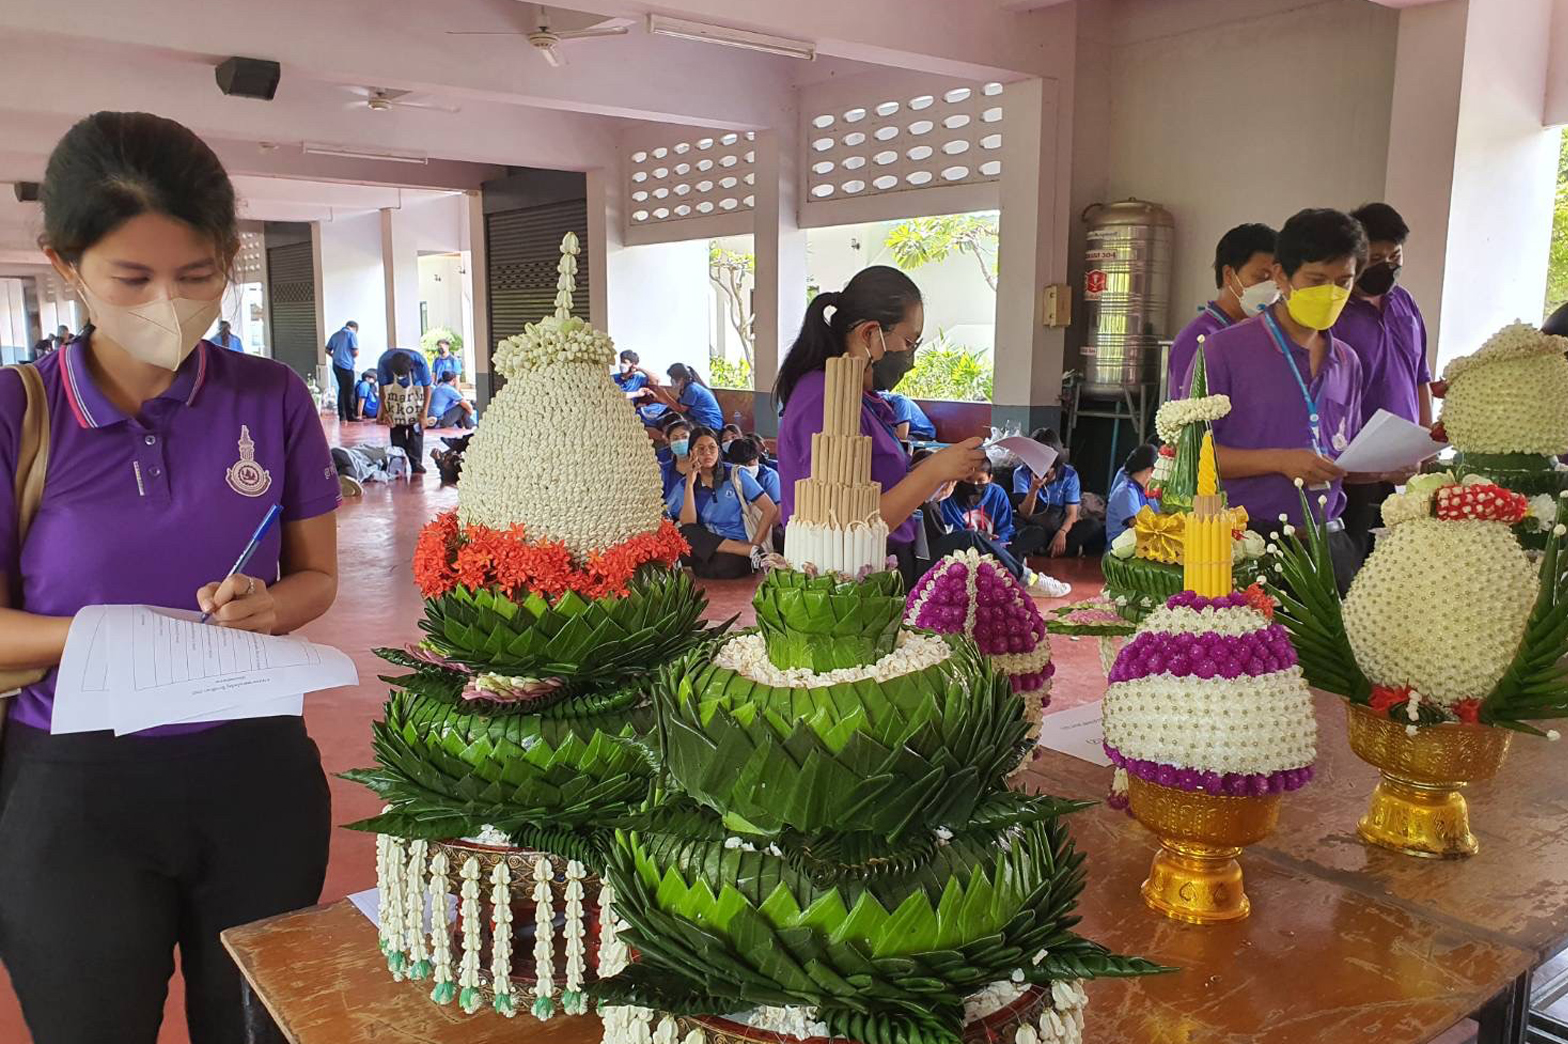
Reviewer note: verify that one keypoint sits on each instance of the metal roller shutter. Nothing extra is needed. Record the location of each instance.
(524, 248)
(291, 284)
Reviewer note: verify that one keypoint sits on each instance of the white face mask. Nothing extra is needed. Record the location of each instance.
(1257, 297)
(159, 333)
(751, 469)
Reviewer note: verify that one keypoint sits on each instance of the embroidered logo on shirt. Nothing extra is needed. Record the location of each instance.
(1339, 440)
(246, 477)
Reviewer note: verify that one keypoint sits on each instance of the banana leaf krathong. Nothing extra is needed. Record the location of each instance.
(824, 622)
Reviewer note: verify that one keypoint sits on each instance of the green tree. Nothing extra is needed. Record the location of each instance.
(947, 371)
(728, 374)
(732, 272)
(927, 240)
(1557, 265)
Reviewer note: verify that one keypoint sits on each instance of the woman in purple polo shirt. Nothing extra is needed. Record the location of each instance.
(879, 315)
(165, 453)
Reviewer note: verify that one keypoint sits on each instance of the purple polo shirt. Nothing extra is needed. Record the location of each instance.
(1391, 343)
(1210, 320)
(803, 419)
(148, 509)
(1268, 411)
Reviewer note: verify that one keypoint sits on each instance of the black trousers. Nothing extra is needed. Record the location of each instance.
(348, 408)
(706, 560)
(1364, 512)
(1034, 535)
(115, 850)
(410, 438)
(456, 417)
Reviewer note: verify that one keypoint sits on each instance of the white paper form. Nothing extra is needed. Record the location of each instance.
(132, 667)
(1388, 443)
(1076, 731)
(1037, 456)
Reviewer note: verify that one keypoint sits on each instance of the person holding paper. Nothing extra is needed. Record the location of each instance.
(878, 315)
(165, 453)
(1295, 390)
(1384, 327)
(1244, 277)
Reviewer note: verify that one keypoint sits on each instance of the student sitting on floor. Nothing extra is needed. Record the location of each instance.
(1053, 503)
(367, 395)
(909, 420)
(743, 455)
(962, 501)
(673, 457)
(728, 435)
(981, 506)
(723, 513)
(1129, 491)
(448, 408)
(762, 450)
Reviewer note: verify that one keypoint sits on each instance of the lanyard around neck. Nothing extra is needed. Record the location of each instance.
(1218, 313)
(1314, 418)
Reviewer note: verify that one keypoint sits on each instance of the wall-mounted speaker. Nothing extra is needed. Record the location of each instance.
(249, 78)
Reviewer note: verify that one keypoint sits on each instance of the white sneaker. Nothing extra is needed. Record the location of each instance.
(1046, 586)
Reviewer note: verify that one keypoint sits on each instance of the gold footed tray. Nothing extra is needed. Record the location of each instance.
(1195, 876)
(1417, 809)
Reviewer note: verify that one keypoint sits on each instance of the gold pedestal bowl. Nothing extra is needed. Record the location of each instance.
(1417, 809)
(1195, 876)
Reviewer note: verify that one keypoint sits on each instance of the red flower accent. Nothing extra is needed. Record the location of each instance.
(449, 555)
(1468, 711)
(1260, 600)
(1439, 433)
(1482, 502)
(1438, 389)
(1384, 699)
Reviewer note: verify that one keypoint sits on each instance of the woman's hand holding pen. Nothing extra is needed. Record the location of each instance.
(241, 602)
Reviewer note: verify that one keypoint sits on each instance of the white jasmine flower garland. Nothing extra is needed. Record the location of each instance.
(747, 655)
(1441, 607)
(1510, 396)
(1175, 415)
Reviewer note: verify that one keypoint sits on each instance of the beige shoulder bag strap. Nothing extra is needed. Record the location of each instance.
(32, 466)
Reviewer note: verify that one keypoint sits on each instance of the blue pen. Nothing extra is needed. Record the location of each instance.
(250, 548)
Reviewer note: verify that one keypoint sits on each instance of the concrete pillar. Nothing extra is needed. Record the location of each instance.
(605, 238)
(478, 263)
(400, 268)
(1472, 166)
(779, 302)
(1032, 253)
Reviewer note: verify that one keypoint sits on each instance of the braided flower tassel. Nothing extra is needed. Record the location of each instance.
(383, 888)
(414, 915)
(573, 1000)
(612, 952)
(501, 937)
(393, 903)
(544, 939)
(440, 931)
(468, 977)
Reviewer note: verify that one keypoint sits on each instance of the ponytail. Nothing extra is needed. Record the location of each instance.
(682, 372)
(877, 294)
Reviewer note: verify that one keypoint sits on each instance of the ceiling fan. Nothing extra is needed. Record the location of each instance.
(545, 40)
(382, 99)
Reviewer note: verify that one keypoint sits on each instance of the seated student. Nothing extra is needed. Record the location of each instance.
(690, 397)
(966, 516)
(762, 450)
(909, 420)
(980, 506)
(743, 454)
(1128, 494)
(672, 456)
(448, 408)
(367, 393)
(635, 382)
(724, 514)
(728, 435)
(1053, 503)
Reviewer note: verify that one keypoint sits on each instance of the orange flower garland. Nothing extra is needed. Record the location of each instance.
(449, 555)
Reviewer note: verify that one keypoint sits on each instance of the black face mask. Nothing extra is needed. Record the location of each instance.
(1379, 279)
(887, 371)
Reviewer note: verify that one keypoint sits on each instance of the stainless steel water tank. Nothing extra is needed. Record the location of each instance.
(1127, 291)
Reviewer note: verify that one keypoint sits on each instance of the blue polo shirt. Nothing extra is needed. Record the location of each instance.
(993, 516)
(230, 340)
(1062, 491)
(450, 364)
(702, 407)
(344, 346)
(768, 479)
(369, 397)
(630, 382)
(907, 409)
(718, 509)
(421, 368)
(148, 509)
(1122, 504)
(443, 398)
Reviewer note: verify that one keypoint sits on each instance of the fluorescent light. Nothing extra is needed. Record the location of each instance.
(344, 152)
(702, 32)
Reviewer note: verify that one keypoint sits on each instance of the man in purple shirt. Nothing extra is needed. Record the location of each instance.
(1295, 390)
(1244, 276)
(1382, 324)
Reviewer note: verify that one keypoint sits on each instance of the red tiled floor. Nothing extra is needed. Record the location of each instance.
(378, 605)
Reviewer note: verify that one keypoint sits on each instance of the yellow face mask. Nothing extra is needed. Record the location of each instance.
(1317, 307)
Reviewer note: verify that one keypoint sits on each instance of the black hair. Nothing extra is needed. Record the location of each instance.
(114, 166)
(369, 375)
(742, 451)
(1141, 458)
(1382, 222)
(1557, 322)
(682, 372)
(224, 322)
(1320, 235)
(401, 364)
(966, 493)
(675, 420)
(445, 341)
(878, 294)
(700, 431)
(627, 355)
(729, 428)
(448, 377)
(352, 323)
(1237, 246)
(986, 467)
(920, 454)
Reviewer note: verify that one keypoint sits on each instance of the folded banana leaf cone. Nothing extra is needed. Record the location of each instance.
(826, 622)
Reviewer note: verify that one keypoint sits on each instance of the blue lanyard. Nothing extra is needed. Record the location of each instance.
(1216, 313)
(1314, 419)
